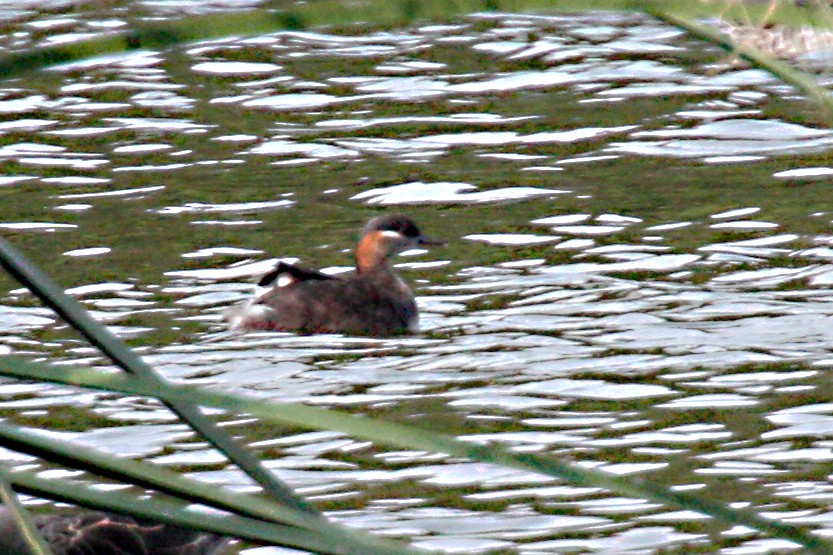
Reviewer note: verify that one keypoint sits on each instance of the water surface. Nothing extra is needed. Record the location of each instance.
(636, 276)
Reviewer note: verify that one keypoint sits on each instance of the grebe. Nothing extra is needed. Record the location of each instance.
(372, 301)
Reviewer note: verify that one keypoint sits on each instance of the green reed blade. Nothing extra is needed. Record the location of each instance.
(35, 542)
(414, 438)
(75, 315)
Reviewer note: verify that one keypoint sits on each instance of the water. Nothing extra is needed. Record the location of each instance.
(636, 276)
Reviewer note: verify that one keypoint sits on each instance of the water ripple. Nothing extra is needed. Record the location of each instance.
(635, 277)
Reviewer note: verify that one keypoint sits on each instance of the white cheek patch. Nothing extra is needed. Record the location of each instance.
(285, 280)
(390, 234)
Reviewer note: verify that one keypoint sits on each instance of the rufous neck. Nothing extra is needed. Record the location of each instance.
(371, 253)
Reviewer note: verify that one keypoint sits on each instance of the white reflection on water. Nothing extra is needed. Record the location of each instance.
(449, 193)
(127, 441)
(511, 238)
(89, 251)
(134, 149)
(236, 207)
(460, 119)
(75, 180)
(744, 225)
(235, 68)
(736, 213)
(244, 269)
(804, 173)
(315, 151)
(433, 145)
(32, 226)
(114, 193)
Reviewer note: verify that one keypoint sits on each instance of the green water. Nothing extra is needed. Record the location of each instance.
(716, 334)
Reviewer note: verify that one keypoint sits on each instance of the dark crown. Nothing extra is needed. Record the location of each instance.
(393, 222)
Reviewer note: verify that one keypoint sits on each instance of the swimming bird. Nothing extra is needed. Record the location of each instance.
(96, 533)
(372, 301)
